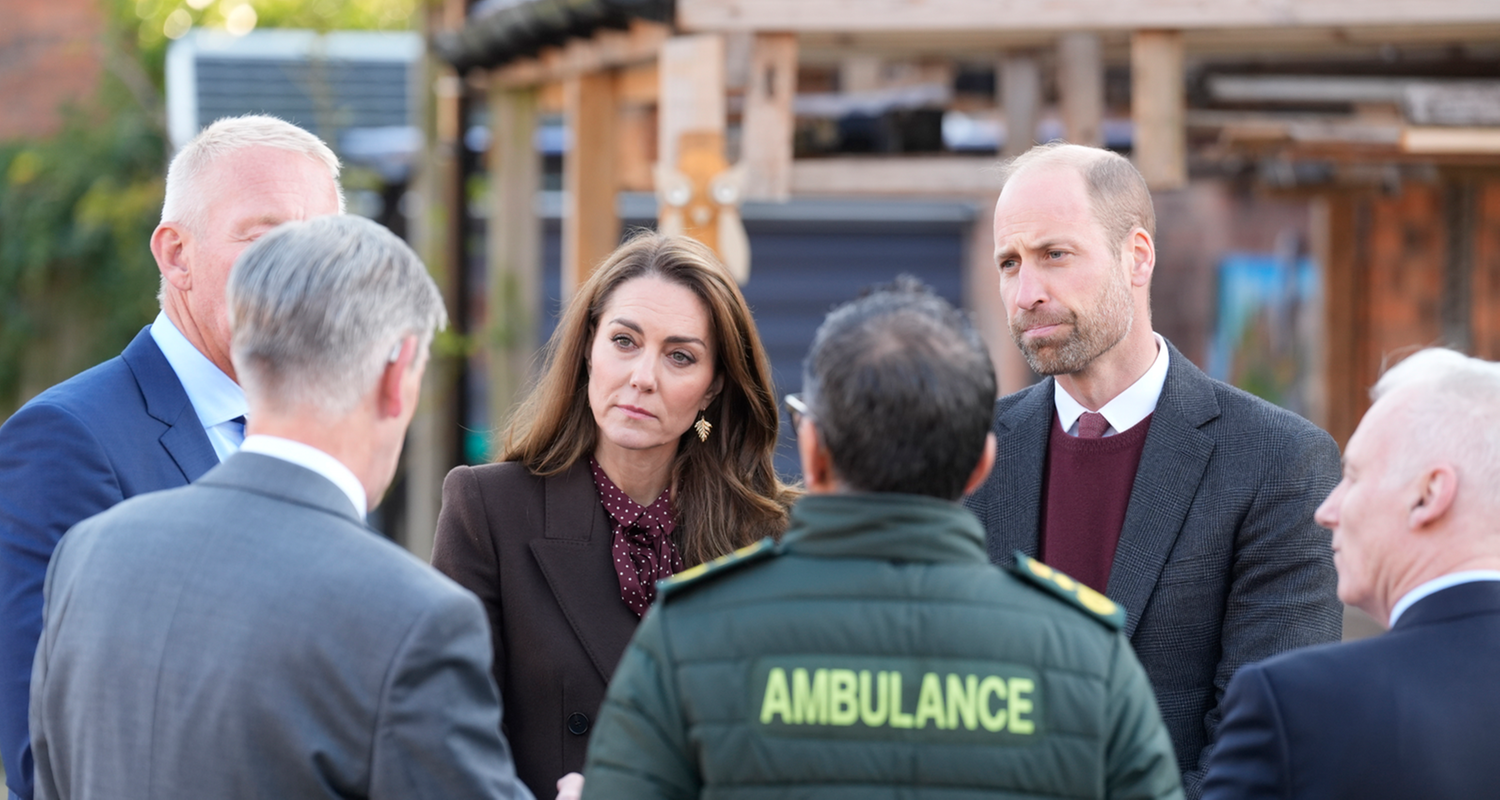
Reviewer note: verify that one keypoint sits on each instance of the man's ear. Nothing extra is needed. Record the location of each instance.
(1141, 251)
(982, 469)
(1436, 490)
(817, 464)
(169, 247)
(390, 401)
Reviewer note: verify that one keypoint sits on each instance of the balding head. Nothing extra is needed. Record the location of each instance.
(1417, 500)
(1117, 192)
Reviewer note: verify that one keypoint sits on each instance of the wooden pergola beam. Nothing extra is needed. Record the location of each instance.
(606, 49)
(855, 16)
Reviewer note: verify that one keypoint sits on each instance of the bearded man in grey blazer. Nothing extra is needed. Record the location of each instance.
(1185, 500)
(248, 635)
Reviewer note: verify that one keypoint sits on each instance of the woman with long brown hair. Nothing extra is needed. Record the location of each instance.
(645, 447)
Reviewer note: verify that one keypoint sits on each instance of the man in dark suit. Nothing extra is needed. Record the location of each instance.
(249, 636)
(1185, 500)
(1410, 713)
(166, 410)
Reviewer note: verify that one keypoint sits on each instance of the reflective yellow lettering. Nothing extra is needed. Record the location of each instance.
(991, 685)
(899, 718)
(1019, 704)
(843, 697)
(778, 700)
(962, 696)
(930, 702)
(874, 717)
(810, 701)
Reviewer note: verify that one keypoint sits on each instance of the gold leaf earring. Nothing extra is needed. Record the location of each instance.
(702, 426)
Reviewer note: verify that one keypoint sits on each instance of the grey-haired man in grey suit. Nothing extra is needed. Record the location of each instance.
(1185, 500)
(248, 636)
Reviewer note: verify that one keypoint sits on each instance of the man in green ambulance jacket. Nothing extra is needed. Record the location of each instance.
(875, 652)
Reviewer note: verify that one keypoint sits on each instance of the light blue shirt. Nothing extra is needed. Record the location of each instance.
(1437, 585)
(216, 398)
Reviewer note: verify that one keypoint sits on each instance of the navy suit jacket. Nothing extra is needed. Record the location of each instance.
(122, 428)
(1219, 562)
(1404, 715)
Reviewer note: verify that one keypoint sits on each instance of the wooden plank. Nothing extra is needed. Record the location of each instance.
(766, 140)
(1341, 316)
(1157, 104)
(1080, 87)
(639, 84)
(1020, 87)
(692, 91)
(957, 176)
(1439, 141)
(514, 261)
(1485, 312)
(591, 225)
(607, 49)
(1065, 15)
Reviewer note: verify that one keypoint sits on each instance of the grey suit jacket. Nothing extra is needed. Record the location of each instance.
(248, 637)
(1219, 562)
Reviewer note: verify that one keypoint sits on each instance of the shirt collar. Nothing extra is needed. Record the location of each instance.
(1127, 408)
(309, 457)
(215, 396)
(1437, 585)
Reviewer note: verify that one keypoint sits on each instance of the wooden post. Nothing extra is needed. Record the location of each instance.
(1080, 78)
(1157, 99)
(515, 283)
(1021, 96)
(591, 224)
(766, 140)
(692, 91)
(432, 444)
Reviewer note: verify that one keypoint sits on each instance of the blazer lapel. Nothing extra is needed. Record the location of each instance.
(574, 554)
(184, 439)
(1172, 465)
(1020, 459)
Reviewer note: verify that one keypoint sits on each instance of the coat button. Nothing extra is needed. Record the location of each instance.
(578, 724)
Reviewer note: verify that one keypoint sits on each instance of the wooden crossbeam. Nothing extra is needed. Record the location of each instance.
(857, 16)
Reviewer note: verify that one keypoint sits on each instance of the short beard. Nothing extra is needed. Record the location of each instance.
(1088, 337)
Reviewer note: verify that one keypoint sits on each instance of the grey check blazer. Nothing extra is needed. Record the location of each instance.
(1219, 563)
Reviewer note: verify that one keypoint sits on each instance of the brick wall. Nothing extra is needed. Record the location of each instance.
(49, 55)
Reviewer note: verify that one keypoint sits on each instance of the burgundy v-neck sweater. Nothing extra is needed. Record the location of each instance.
(1085, 492)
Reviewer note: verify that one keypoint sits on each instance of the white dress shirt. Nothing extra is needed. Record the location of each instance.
(304, 455)
(1437, 585)
(216, 398)
(1128, 408)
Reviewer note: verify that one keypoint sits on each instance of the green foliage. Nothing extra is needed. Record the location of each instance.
(157, 22)
(76, 274)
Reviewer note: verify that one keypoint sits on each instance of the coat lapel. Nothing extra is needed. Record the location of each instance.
(1015, 518)
(166, 401)
(574, 554)
(1172, 464)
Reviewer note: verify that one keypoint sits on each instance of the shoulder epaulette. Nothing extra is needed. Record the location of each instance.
(1097, 605)
(749, 554)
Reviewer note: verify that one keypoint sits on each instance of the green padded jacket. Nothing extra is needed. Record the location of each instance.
(875, 653)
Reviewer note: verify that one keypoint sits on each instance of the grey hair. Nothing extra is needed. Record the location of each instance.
(316, 309)
(901, 389)
(1118, 194)
(1452, 410)
(185, 190)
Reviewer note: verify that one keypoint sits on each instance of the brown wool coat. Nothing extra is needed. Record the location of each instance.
(537, 553)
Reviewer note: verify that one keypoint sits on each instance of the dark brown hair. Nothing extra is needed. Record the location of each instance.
(725, 490)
